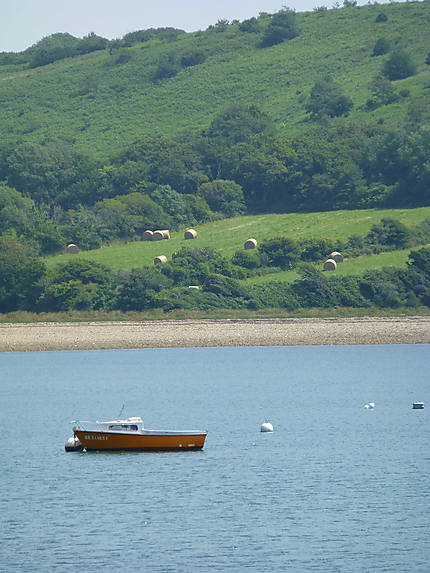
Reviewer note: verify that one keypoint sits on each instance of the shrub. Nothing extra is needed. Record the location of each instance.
(224, 286)
(21, 275)
(398, 66)
(383, 92)
(137, 289)
(52, 48)
(274, 294)
(327, 98)
(384, 288)
(91, 43)
(252, 25)
(246, 259)
(317, 249)
(280, 252)
(282, 27)
(192, 58)
(381, 17)
(168, 67)
(389, 232)
(312, 289)
(223, 196)
(381, 47)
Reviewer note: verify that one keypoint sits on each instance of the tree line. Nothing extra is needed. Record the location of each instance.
(52, 193)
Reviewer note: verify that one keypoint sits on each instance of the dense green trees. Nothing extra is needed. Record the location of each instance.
(20, 277)
(84, 285)
(53, 194)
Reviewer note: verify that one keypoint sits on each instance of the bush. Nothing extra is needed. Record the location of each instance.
(223, 196)
(383, 92)
(21, 275)
(192, 58)
(252, 25)
(52, 48)
(384, 288)
(327, 98)
(398, 66)
(389, 232)
(282, 27)
(274, 294)
(381, 47)
(280, 252)
(91, 43)
(247, 259)
(225, 286)
(381, 17)
(138, 288)
(317, 249)
(312, 289)
(168, 67)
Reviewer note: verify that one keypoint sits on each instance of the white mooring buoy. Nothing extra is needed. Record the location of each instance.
(73, 445)
(266, 427)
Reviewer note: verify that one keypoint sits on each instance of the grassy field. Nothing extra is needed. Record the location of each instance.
(229, 235)
(104, 105)
(356, 266)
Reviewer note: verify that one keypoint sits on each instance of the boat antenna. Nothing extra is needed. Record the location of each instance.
(121, 411)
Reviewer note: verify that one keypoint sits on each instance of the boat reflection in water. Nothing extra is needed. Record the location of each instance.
(130, 434)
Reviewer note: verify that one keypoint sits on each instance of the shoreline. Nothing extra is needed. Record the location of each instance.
(19, 337)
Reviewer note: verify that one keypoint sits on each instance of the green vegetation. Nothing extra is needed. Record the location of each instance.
(325, 148)
(229, 235)
(105, 99)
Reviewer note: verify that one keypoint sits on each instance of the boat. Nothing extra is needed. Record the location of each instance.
(130, 434)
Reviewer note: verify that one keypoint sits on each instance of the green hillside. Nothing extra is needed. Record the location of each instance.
(309, 132)
(108, 98)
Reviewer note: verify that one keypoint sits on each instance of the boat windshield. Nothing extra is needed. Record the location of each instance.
(129, 427)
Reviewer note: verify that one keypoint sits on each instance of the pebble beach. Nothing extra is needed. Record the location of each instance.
(19, 337)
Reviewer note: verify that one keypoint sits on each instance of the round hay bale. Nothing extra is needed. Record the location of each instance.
(148, 235)
(190, 234)
(330, 265)
(73, 249)
(161, 234)
(251, 244)
(160, 260)
(336, 257)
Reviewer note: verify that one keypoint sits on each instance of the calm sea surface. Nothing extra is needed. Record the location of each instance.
(336, 487)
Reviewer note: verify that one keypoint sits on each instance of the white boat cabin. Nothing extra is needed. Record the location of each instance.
(134, 424)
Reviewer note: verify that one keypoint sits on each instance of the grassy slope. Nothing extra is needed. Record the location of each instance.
(229, 235)
(104, 106)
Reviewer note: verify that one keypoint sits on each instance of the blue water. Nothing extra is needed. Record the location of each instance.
(336, 487)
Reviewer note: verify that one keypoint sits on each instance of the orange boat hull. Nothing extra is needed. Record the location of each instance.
(140, 442)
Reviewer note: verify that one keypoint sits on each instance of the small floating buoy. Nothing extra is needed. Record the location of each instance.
(266, 427)
(418, 406)
(73, 445)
